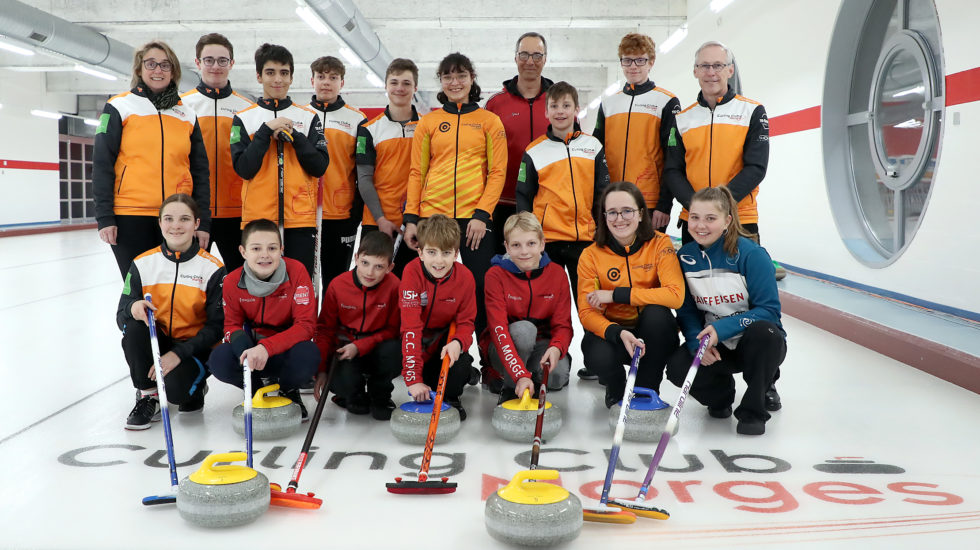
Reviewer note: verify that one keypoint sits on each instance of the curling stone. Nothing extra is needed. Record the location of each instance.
(514, 420)
(646, 417)
(223, 495)
(531, 513)
(410, 422)
(272, 417)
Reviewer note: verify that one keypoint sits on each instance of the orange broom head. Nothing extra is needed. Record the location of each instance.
(294, 500)
(402, 487)
(608, 514)
(641, 509)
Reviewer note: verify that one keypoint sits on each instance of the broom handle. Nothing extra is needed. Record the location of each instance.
(301, 461)
(620, 425)
(430, 438)
(539, 422)
(161, 391)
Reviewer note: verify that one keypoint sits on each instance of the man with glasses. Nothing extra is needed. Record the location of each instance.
(216, 104)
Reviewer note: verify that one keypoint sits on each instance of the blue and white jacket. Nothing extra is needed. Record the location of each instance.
(729, 292)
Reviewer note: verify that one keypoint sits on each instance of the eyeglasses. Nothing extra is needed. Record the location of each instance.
(165, 66)
(524, 56)
(458, 77)
(626, 214)
(638, 61)
(221, 61)
(704, 67)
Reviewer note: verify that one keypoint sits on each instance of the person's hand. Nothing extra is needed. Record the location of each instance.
(659, 219)
(475, 230)
(386, 226)
(278, 124)
(712, 335)
(203, 238)
(632, 342)
(347, 352)
(419, 392)
(710, 356)
(318, 385)
(550, 358)
(453, 349)
(168, 362)
(108, 234)
(597, 298)
(138, 311)
(524, 384)
(256, 357)
(410, 236)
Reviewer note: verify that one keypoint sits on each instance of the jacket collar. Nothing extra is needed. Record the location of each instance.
(275, 104)
(360, 286)
(452, 272)
(214, 93)
(631, 89)
(178, 257)
(576, 132)
(504, 261)
(729, 95)
(415, 115)
(511, 87)
(621, 250)
(327, 107)
(460, 108)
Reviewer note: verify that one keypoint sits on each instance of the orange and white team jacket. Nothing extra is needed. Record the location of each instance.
(384, 147)
(633, 125)
(254, 154)
(727, 145)
(340, 123)
(459, 161)
(143, 156)
(645, 273)
(558, 181)
(215, 112)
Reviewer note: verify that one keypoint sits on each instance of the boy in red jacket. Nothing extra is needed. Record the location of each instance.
(435, 291)
(273, 297)
(358, 326)
(529, 305)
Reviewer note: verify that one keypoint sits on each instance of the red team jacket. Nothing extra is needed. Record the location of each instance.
(361, 315)
(541, 296)
(427, 307)
(282, 319)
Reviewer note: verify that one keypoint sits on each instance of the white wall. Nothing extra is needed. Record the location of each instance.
(781, 49)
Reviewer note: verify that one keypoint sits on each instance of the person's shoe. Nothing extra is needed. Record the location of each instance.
(612, 398)
(339, 401)
(307, 387)
(773, 402)
(295, 397)
(196, 401)
(381, 410)
(474, 376)
(750, 428)
(458, 405)
(720, 412)
(585, 374)
(496, 386)
(359, 404)
(146, 410)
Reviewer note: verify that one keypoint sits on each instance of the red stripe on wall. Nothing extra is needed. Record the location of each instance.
(27, 165)
(797, 121)
(963, 87)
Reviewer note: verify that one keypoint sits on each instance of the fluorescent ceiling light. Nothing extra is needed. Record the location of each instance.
(613, 88)
(46, 114)
(375, 81)
(718, 5)
(582, 113)
(94, 72)
(91, 121)
(910, 91)
(675, 39)
(351, 57)
(910, 123)
(16, 49)
(312, 19)
(595, 103)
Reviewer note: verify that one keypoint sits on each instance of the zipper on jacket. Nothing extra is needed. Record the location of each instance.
(121, 177)
(571, 176)
(530, 119)
(530, 297)
(163, 188)
(363, 310)
(711, 143)
(456, 159)
(173, 292)
(626, 144)
(629, 276)
(432, 304)
(262, 313)
(216, 163)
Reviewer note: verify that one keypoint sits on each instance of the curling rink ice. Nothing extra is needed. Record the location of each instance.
(866, 452)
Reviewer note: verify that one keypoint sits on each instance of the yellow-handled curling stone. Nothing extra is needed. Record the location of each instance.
(273, 417)
(223, 495)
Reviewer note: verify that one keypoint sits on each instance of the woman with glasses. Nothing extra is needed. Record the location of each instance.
(459, 159)
(628, 281)
(148, 146)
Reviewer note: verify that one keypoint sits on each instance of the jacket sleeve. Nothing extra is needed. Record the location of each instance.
(593, 320)
(527, 184)
(326, 327)
(497, 325)
(366, 157)
(760, 279)
(600, 126)
(410, 306)
(132, 292)
(601, 181)
(201, 177)
(234, 315)
(667, 121)
(670, 293)
(210, 334)
(421, 142)
(496, 143)
(108, 137)
(561, 318)
(247, 153)
(311, 149)
(755, 156)
(675, 167)
(303, 316)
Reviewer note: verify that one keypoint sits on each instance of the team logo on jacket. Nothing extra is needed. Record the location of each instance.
(687, 259)
(613, 274)
(424, 298)
(410, 298)
(445, 126)
(302, 295)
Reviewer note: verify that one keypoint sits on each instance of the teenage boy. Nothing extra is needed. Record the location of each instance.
(384, 157)
(358, 327)
(435, 292)
(529, 305)
(270, 317)
(216, 104)
(341, 212)
(279, 151)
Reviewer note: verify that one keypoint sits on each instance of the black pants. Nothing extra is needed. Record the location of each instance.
(182, 382)
(404, 255)
(134, 236)
(377, 368)
(299, 243)
(687, 238)
(566, 254)
(226, 234)
(292, 367)
(456, 379)
(657, 328)
(757, 356)
(500, 215)
(336, 248)
(478, 262)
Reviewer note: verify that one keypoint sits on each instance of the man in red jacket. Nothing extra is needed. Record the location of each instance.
(529, 322)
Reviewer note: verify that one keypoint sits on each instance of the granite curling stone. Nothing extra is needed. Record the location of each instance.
(515, 420)
(273, 417)
(646, 417)
(531, 513)
(410, 422)
(223, 495)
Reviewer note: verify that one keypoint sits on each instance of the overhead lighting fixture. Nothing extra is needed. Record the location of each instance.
(312, 19)
(94, 72)
(910, 91)
(718, 5)
(910, 123)
(595, 103)
(91, 121)
(613, 88)
(46, 114)
(375, 81)
(16, 49)
(351, 57)
(674, 39)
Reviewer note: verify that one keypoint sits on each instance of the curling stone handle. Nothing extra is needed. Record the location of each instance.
(260, 396)
(644, 394)
(209, 462)
(532, 475)
(526, 400)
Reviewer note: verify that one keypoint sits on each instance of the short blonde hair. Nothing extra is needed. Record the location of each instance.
(138, 62)
(439, 232)
(523, 221)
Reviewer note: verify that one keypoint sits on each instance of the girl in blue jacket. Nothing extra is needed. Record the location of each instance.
(731, 297)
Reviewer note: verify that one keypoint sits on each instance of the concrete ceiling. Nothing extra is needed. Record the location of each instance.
(582, 37)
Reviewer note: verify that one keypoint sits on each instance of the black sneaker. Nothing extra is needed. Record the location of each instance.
(773, 402)
(475, 376)
(307, 387)
(612, 398)
(195, 403)
(751, 427)
(295, 397)
(720, 412)
(458, 405)
(381, 410)
(146, 410)
(339, 401)
(495, 386)
(359, 404)
(585, 374)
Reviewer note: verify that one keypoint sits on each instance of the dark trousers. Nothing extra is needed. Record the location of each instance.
(377, 369)
(757, 356)
(292, 368)
(456, 379)
(299, 243)
(134, 236)
(657, 328)
(226, 234)
(182, 382)
(336, 248)
(478, 262)
(402, 256)
(500, 215)
(687, 238)
(566, 254)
